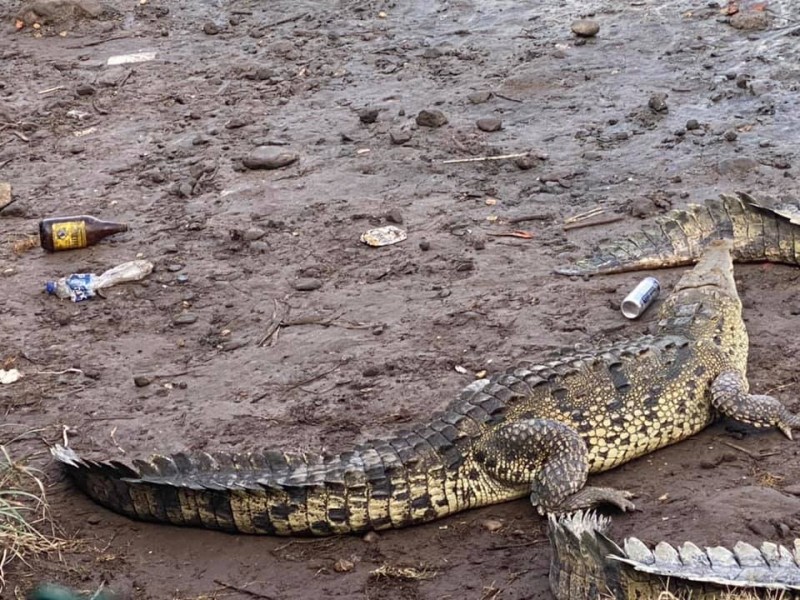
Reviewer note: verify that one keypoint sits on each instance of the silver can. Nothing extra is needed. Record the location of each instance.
(641, 297)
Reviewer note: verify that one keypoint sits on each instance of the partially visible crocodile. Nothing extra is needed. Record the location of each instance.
(587, 565)
(535, 430)
(760, 231)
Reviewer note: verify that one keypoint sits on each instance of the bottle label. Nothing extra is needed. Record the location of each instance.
(69, 235)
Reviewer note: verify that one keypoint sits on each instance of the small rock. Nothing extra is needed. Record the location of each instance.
(84, 89)
(142, 381)
(750, 20)
(343, 565)
(692, 124)
(260, 247)
(395, 216)
(742, 80)
(431, 118)
(467, 265)
(524, 163)
(658, 102)
(267, 157)
(237, 122)
(253, 234)
(185, 319)
(431, 53)
(368, 115)
(585, 28)
(730, 135)
(641, 208)
(489, 124)
(424, 245)
(371, 537)
(93, 519)
(400, 136)
(479, 244)
(182, 278)
(492, 525)
(210, 28)
(307, 284)
(479, 97)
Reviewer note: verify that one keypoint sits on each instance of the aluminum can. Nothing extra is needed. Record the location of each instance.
(640, 298)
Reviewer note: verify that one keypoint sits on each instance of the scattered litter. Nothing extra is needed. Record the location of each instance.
(460, 369)
(78, 114)
(71, 233)
(640, 298)
(85, 132)
(383, 236)
(136, 57)
(10, 376)
(81, 286)
(484, 158)
(52, 89)
(5, 194)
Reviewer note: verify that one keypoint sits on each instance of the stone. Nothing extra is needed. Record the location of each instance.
(307, 284)
(400, 136)
(480, 97)
(368, 115)
(738, 165)
(395, 216)
(658, 102)
(211, 28)
(489, 124)
(141, 381)
(424, 245)
(585, 28)
(692, 124)
(431, 118)
(268, 157)
(492, 525)
(184, 319)
(730, 135)
(84, 89)
(253, 234)
(749, 20)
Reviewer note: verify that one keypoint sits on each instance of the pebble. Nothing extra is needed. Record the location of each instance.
(431, 53)
(253, 234)
(182, 278)
(93, 519)
(371, 537)
(431, 118)
(692, 124)
(267, 157)
(424, 245)
(142, 381)
(479, 97)
(185, 319)
(641, 208)
(730, 135)
(400, 136)
(343, 565)
(307, 284)
(237, 122)
(658, 102)
(260, 247)
(585, 28)
(489, 124)
(368, 115)
(84, 89)
(395, 216)
(492, 525)
(524, 163)
(750, 20)
(210, 28)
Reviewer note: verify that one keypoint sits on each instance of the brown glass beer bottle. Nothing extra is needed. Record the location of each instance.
(71, 233)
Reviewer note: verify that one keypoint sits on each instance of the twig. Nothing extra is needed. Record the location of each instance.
(72, 370)
(286, 20)
(52, 89)
(613, 219)
(242, 590)
(520, 545)
(21, 136)
(539, 217)
(483, 158)
(499, 95)
(98, 42)
(583, 216)
(748, 452)
(241, 12)
(275, 324)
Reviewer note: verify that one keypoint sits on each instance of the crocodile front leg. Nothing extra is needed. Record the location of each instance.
(729, 396)
(553, 459)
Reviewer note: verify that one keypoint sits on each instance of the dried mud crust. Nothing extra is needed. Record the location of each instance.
(373, 339)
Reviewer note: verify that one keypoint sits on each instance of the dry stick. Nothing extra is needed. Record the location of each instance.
(52, 89)
(499, 95)
(520, 545)
(243, 590)
(583, 216)
(287, 20)
(484, 158)
(539, 217)
(592, 223)
(748, 452)
(98, 42)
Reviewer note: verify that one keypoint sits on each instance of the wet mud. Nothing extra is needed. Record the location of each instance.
(268, 323)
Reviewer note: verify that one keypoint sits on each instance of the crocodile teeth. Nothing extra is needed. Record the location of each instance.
(636, 550)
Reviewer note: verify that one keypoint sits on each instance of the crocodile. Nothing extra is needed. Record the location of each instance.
(761, 231)
(587, 565)
(534, 430)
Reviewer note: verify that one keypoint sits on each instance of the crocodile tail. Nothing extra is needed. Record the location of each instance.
(759, 232)
(579, 567)
(380, 484)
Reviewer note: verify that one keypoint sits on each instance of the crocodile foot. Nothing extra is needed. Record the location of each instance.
(588, 497)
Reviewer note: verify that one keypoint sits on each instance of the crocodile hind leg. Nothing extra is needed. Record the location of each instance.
(553, 459)
(729, 396)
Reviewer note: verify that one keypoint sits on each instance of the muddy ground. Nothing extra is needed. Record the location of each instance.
(371, 337)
